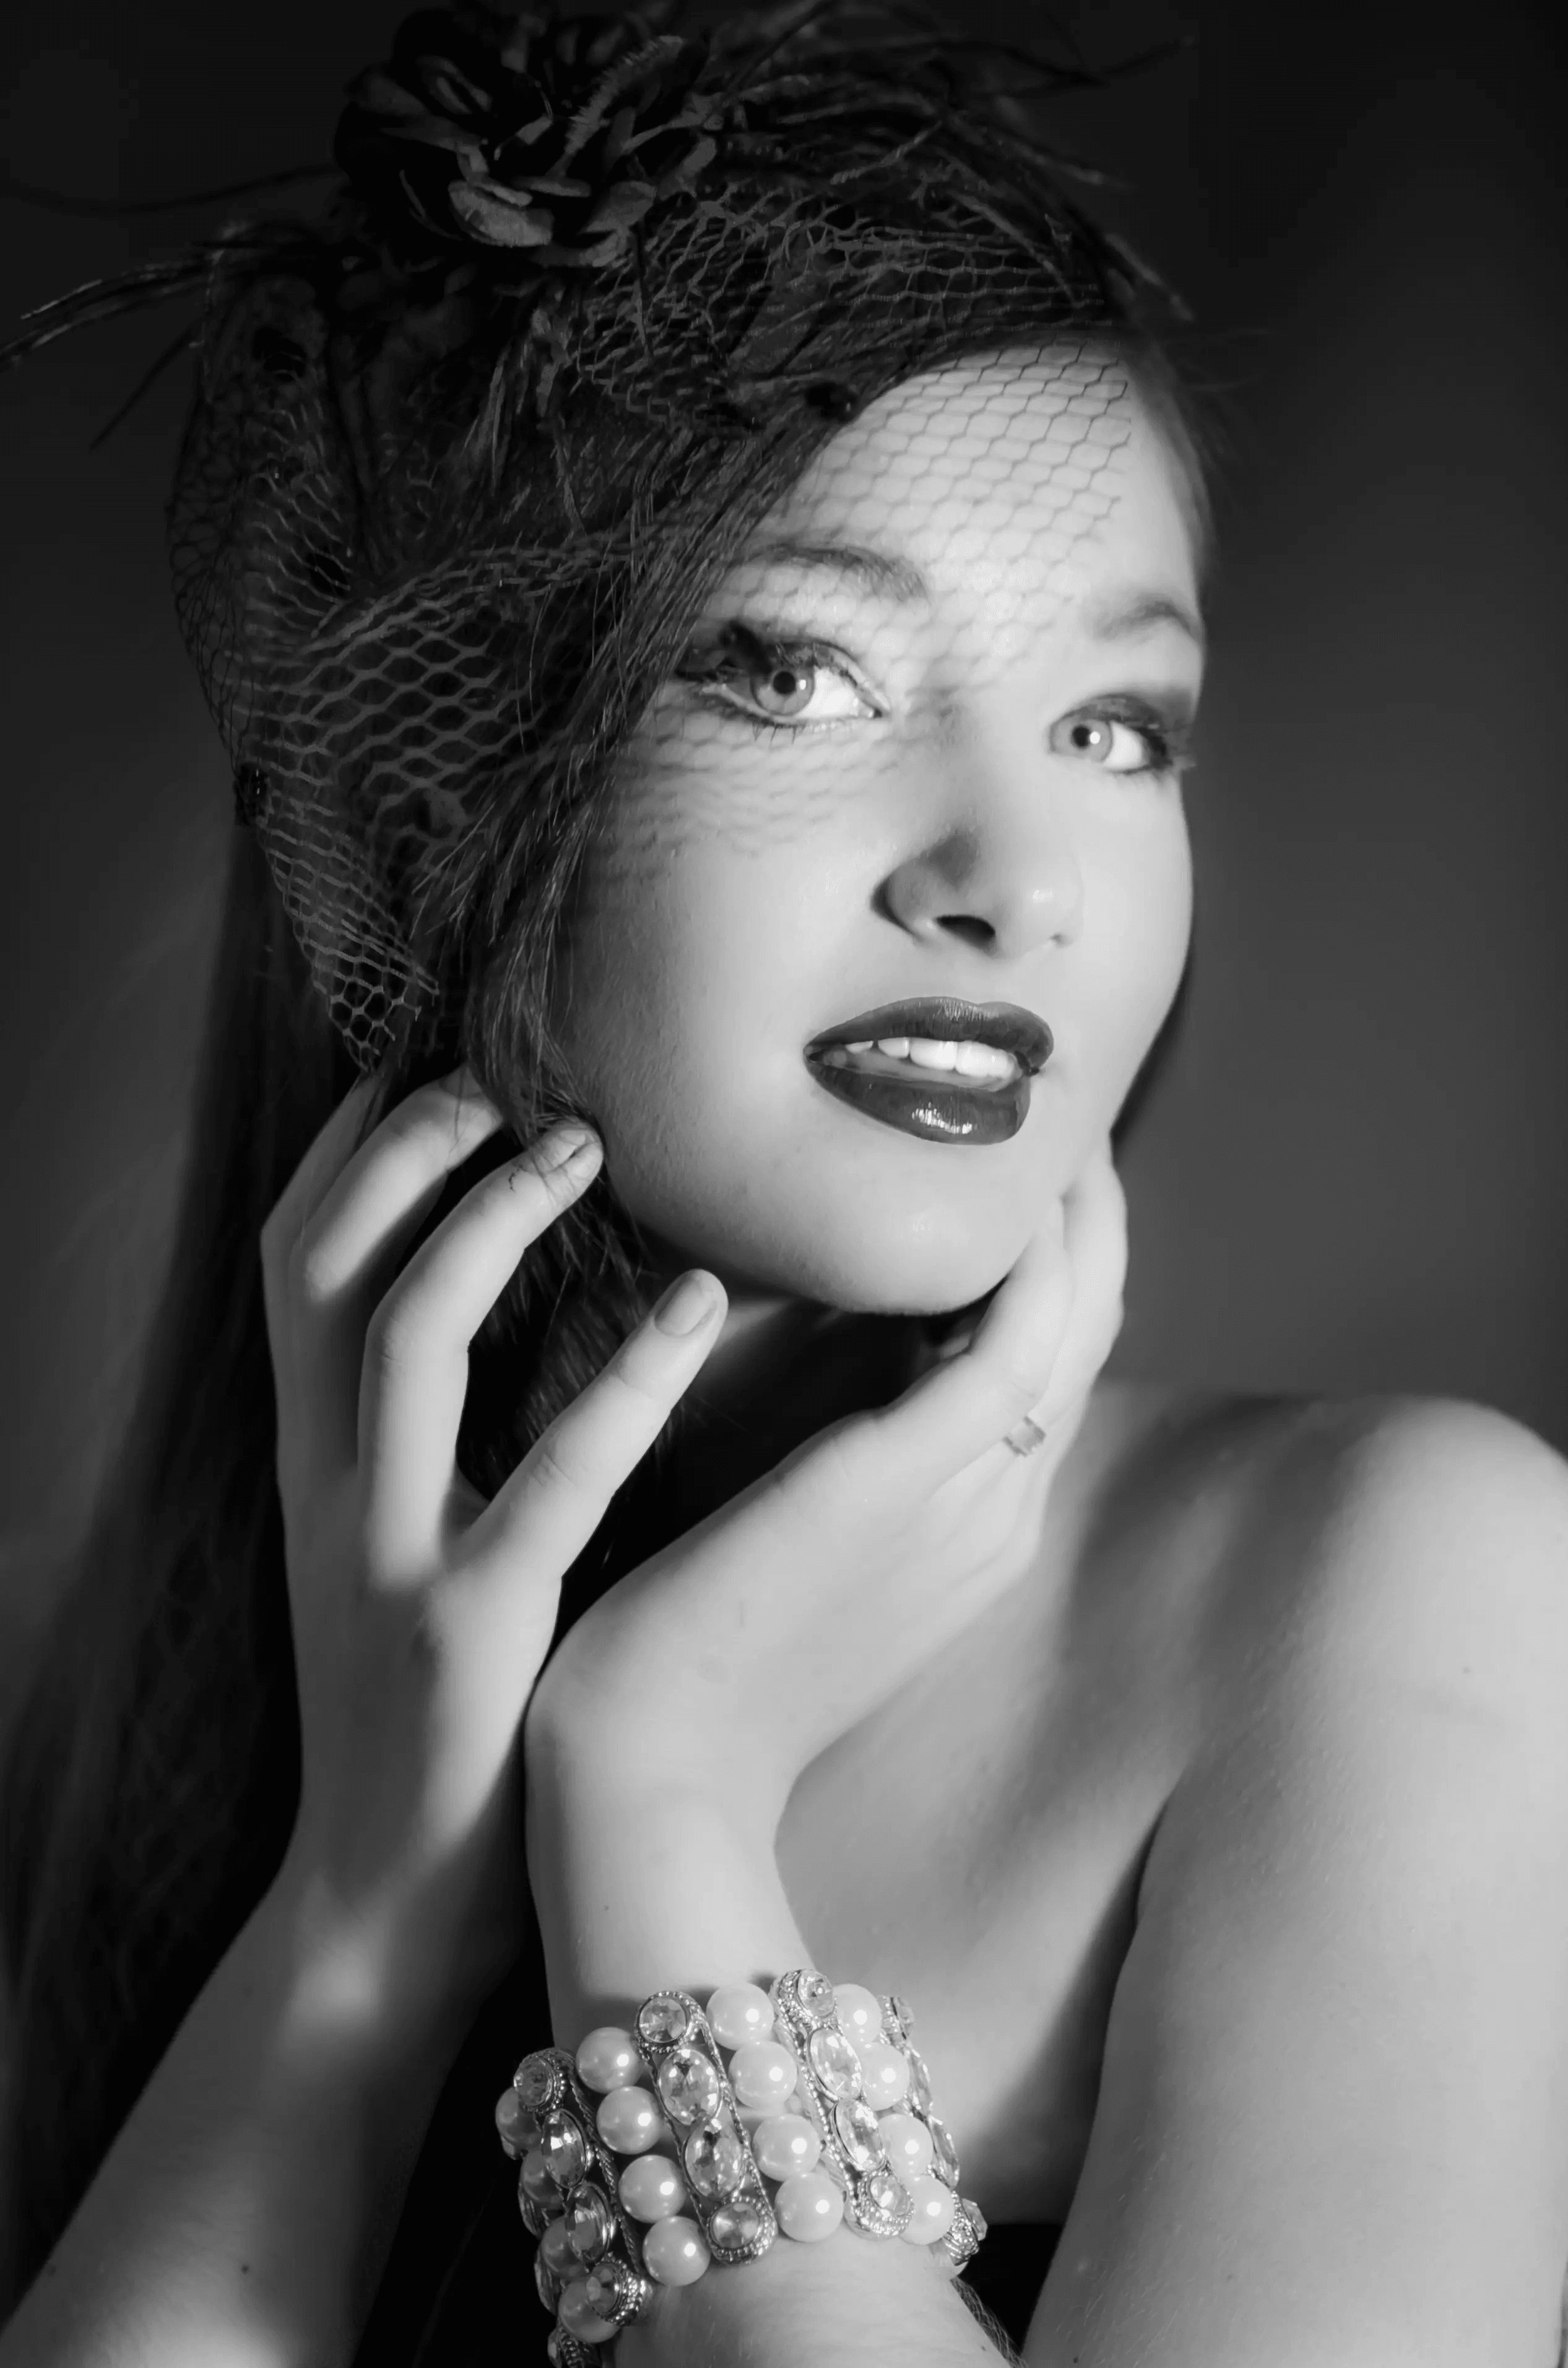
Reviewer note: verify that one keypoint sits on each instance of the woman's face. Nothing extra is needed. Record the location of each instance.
(925, 749)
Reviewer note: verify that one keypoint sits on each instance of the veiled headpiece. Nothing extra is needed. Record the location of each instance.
(466, 446)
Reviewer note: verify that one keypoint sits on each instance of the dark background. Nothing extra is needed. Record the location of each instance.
(1354, 1172)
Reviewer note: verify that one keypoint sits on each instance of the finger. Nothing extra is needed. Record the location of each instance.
(391, 1184)
(415, 1373)
(961, 1408)
(350, 1244)
(1096, 1235)
(559, 1494)
(333, 1147)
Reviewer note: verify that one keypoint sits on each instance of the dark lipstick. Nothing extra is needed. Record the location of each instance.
(938, 1105)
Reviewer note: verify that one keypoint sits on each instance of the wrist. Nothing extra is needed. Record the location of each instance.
(623, 1760)
(639, 1888)
(371, 1977)
(813, 2087)
(845, 2302)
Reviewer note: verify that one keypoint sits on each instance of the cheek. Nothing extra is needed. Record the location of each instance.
(688, 969)
(1141, 892)
(713, 784)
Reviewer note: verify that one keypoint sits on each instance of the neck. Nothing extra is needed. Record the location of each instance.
(783, 1369)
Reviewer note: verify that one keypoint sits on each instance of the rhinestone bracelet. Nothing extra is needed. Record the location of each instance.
(648, 2156)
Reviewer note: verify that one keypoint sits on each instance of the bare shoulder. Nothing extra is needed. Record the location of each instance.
(1386, 1537)
(1351, 1945)
(1419, 1545)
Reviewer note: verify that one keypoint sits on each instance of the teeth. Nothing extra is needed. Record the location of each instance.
(973, 1060)
(964, 1059)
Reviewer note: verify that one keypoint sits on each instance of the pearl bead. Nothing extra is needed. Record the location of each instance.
(785, 2144)
(934, 2208)
(579, 2318)
(859, 2011)
(908, 2143)
(652, 2189)
(537, 2181)
(884, 2073)
(809, 2206)
(740, 2011)
(629, 2121)
(556, 2252)
(675, 2252)
(763, 2073)
(609, 2059)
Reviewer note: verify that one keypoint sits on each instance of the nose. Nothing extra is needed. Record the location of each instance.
(1007, 883)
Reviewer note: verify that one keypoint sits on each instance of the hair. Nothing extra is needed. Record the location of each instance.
(151, 1783)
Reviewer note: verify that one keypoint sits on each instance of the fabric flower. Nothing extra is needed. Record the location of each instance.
(550, 138)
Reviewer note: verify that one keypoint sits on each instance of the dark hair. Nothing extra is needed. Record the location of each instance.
(151, 1783)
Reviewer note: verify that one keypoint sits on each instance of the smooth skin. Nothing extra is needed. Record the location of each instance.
(1202, 1779)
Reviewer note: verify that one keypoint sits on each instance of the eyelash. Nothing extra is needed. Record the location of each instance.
(1167, 738)
(743, 652)
(750, 652)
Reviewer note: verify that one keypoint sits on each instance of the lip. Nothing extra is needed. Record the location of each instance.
(943, 1019)
(936, 1106)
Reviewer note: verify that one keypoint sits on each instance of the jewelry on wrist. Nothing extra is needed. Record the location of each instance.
(647, 2156)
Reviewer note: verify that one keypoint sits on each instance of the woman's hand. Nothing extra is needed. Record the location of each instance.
(757, 1639)
(421, 1614)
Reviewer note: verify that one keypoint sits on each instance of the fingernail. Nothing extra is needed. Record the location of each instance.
(563, 1147)
(687, 1305)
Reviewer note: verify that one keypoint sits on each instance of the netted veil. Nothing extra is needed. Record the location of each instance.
(467, 446)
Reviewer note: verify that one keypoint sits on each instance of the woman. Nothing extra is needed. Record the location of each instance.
(696, 559)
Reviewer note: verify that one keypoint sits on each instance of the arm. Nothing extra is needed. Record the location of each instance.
(1332, 2129)
(669, 1728)
(242, 2216)
(620, 1886)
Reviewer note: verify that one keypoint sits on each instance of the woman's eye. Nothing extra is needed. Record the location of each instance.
(1121, 744)
(794, 684)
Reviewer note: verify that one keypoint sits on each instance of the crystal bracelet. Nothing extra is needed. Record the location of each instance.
(647, 2156)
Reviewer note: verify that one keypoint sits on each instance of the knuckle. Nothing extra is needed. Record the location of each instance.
(391, 1339)
(1022, 1379)
(312, 1272)
(556, 1464)
(638, 1379)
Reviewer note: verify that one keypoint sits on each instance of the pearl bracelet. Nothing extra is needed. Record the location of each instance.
(822, 2113)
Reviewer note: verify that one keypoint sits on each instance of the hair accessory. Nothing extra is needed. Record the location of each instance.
(824, 2095)
(1026, 1436)
(469, 442)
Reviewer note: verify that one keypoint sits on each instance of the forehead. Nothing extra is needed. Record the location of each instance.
(1038, 472)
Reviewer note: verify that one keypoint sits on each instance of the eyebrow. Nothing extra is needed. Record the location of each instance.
(1123, 616)
(1126, 616)
(873, 570)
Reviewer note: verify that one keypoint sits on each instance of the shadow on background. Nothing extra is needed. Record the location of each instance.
(1353, 1173)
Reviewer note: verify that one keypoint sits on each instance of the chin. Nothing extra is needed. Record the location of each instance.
(924, 1250)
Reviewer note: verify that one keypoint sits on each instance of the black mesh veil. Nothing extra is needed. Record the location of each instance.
(465, 448)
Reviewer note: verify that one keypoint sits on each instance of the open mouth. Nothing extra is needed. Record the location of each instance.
(947, 1071)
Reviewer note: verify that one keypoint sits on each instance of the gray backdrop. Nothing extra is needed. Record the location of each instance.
(1353, 1174)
